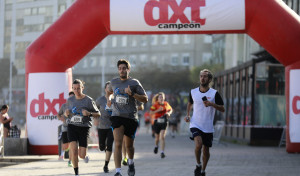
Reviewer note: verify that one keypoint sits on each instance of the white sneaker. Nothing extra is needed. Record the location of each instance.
(60, 158)
(86, 159)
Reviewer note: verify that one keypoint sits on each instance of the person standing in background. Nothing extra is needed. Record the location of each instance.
(6, 120)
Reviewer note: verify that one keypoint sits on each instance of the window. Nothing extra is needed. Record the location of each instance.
(27, 11)
(186, 59)
(114, 41)
(42, 10)
(206, 57)
(133, 60)
(143, 58)
(207, 39)
(153, 39)
(134, 42)
(124, 41)
(175, 39)
(143, 41)
(174, 59)
(34, 11)
(186, 39)
(164, 39)
(93, 61)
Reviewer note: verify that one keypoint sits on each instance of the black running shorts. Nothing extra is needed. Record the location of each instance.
(78, 134)
(106, 139)
(157, 127)
(207, 138)
(64, 137)
(130, 125)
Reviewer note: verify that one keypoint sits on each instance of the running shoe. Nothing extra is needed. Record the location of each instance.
(155, 150)
(70, 164)
(105, 169)
(118, 174)
(203, 174)
(198, 171)
(86, 159)
(131, 170)
(124, 162)
(60, 158)
(162, 155)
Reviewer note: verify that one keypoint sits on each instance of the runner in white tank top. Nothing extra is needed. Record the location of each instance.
(205, 101)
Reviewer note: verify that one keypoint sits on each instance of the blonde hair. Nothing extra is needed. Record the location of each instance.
(155, 97)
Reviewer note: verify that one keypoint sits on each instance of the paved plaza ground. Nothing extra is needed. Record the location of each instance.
(227, 159)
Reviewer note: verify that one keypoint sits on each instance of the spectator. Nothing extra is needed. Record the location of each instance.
(5, 119)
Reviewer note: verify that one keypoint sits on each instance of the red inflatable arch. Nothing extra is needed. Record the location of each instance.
(48, 59)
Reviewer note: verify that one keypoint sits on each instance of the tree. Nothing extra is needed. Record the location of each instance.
(4, 69)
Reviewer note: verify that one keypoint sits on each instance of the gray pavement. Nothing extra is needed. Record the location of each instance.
(227, 159)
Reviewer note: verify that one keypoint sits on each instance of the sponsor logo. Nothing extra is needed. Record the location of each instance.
(296, 100)
(42, 113)
(164, 21)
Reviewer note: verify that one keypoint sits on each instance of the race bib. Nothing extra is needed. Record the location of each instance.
(76, 119)
(122, 99)
(160, 120)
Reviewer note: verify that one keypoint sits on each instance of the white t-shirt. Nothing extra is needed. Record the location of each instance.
(203, 117)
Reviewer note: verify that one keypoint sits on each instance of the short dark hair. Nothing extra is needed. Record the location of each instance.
(71, 93)
(4, 107)
(78, 81)
(123, 61)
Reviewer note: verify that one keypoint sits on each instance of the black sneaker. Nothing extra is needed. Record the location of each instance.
(203, 174)
(131, 170)
(155, 150)
(105, 169)
(118, 174)
(162, 155)
(198, 171)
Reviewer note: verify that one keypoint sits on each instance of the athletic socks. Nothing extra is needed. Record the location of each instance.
(106, 163)
(130, 161)
(76, 170)
(118, 170)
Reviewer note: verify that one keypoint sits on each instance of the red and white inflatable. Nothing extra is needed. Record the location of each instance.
(48, 59)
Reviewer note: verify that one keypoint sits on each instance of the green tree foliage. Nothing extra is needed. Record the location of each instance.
(215, 68)
(4, 69)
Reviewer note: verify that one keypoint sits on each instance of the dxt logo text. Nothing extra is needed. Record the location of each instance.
(178, 9)
(41, 102)
(296, 104)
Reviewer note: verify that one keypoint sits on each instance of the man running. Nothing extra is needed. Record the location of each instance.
(161, 111)
(205, 101)
(105, 133)
(127, 91)
(64, 130)
(80, 109)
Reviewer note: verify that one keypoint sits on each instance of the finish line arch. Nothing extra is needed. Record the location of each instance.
(87, 22)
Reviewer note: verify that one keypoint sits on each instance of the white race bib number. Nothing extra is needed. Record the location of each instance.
(76, 119)
(160, 120)
(122, 100)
